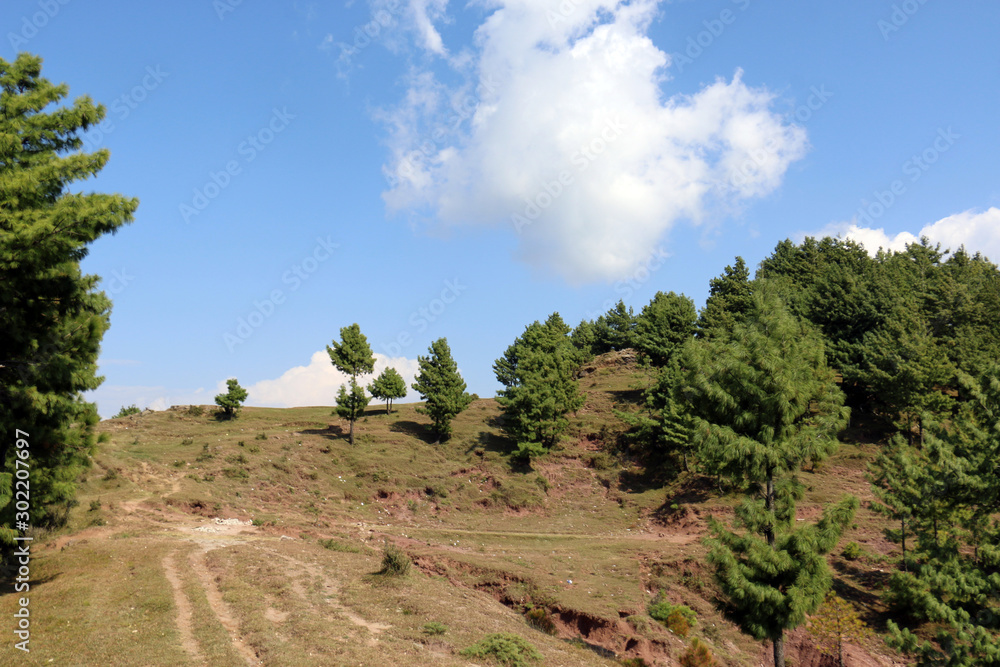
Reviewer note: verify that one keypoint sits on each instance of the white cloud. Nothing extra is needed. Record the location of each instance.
(110, 398)
(977, 231)
(578, 94)
(318, 383)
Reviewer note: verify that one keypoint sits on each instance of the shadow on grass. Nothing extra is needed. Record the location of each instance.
(631, 396)
(413, 429)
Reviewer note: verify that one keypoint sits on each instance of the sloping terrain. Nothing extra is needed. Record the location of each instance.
(258, 541)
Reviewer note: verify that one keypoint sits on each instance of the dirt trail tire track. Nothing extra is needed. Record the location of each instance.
(184, 613)
(219, 606)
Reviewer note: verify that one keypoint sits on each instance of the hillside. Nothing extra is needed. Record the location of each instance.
(257, 541)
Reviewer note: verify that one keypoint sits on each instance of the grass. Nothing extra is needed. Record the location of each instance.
(489, 541)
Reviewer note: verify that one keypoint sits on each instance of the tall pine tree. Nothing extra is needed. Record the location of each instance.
(765, 402)
(442, 388)
(52, 316)
(353, 356)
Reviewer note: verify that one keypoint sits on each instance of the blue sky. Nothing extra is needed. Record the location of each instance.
(429, 169)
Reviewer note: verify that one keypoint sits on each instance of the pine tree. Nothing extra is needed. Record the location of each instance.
(52, 316)
(441, 387)
(232, 401)
(729, 299)
(539, 387)
(765, 402)
(353, 356)
(615, 330)
(663, 326)
(387, 386)
(835, 622)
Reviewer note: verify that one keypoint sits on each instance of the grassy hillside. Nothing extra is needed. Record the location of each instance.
(259, 541)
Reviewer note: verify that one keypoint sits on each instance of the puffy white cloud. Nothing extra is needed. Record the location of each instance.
(318, 383)
(978, 231)
(560, 128)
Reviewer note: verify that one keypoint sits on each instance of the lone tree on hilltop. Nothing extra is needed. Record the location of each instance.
(387, 386)
(353, 356)
(52, 316)
(232, 401)
(441, 386)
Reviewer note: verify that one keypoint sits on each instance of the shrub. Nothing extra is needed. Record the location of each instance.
(395, 562)
(195, 411)
(852, 551)
(237, 458)
(678, 618)
(435, 628)
(540, 619)
(334, 545)
(505, 648)
(187, 441)
(698, 655)
(95, 505)
(261, 436)
(236, 473)
(126, 411)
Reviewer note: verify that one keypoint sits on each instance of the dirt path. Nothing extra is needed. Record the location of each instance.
(218, 605)
(184, 625)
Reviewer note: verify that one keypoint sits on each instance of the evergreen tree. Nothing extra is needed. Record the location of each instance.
(387, 386)
(615, 330)
(729, 299)
(835, 622)
(765, 402)
(441, 386)
(539, 387)
(232, 401)
(663, 326)
(584, 338)
(351, 404)
(353, 356)
(663, 431)
(52, 316)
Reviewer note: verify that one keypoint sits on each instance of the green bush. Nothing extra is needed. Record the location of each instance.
(698, 655)
(334, 545)
(540, 619)
(505, 648)
(236, 473)
(195, 411)
(395, 562)
(435, 628)
(126, 411)
(679, 619)
(852, 551)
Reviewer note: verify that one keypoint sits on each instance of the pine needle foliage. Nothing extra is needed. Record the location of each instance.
(441, 387)
(52, 316)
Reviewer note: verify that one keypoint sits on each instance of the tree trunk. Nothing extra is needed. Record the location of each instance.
(840, 649)
(902, 534)
(779, 651)
(769, 506)
(350, 435)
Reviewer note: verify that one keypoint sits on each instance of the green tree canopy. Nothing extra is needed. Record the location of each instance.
(663, 326)
(52, 316)
(232, 401)
(353, 356)
(441, 387)
(389, 385)
(764, 402)
(729, 298)
(539, 387)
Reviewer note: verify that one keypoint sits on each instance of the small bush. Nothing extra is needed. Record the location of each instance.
(254, 449)
(698, 655)
(237, 458)
(395, 562)
(334, 545)
(126, 411)
(205, 455)
(634, 662)
(111, 475)
(187, 441)
(95, 505)
(261, 436)
(852, 551)
(540, 619)
(195, 411)
(236, 473)
(677, 618)
(435, 628)
(505, 648)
